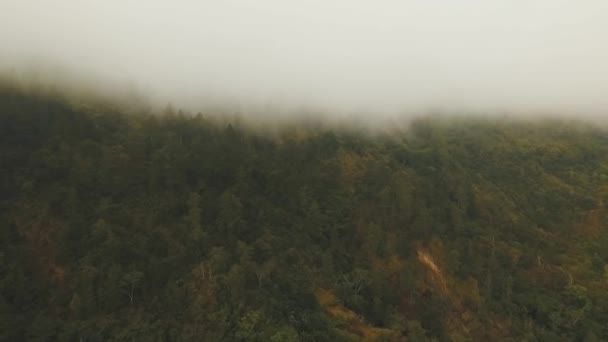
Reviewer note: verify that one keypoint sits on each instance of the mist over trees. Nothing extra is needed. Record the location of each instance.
(176, 227)
(351, 55)
(265, 170)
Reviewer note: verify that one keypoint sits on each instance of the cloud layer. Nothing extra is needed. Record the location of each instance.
(379, 56)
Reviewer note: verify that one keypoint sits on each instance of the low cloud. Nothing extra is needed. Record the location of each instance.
(380, 57)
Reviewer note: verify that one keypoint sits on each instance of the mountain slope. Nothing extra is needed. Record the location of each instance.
(177, 228)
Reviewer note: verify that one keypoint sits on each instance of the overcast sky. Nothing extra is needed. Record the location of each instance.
(375, 55)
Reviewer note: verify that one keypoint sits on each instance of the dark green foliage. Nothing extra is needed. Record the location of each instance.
(121, 227)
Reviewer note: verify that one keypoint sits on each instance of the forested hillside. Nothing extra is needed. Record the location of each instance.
(177, 227)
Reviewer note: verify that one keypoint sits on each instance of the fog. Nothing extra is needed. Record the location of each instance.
(380, 57)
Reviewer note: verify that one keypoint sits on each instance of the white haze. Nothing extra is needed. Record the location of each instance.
(381, 56)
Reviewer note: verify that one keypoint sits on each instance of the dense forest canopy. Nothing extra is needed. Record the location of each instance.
(176, 227)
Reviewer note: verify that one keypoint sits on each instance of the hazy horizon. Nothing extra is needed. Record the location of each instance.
(377, 57)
